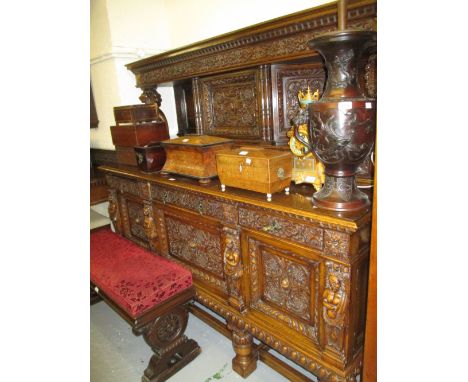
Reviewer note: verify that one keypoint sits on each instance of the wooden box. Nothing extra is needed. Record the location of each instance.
(138, 125)
(139, 134)
(134, 114)
(125, 156)
(256, 169)
(194, 156)
(150, 158)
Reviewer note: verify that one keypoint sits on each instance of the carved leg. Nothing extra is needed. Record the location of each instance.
(245, 361)
(173, 350)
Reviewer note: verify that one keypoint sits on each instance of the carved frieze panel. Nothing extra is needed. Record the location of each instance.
(274, 44)
(336, 244)
(195, 246)
(284, 286)
(287, 81)
(124, 185)
(284, 228)
(195, 202)
(335, 302)
(229, 105)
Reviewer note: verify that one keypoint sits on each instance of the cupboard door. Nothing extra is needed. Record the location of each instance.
(196, 242)
(283, 282)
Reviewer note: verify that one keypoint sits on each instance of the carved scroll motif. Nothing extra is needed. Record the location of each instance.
(233, 266)
(335, 303)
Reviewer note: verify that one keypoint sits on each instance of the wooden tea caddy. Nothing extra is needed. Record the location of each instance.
(256, 169)
(194, 156)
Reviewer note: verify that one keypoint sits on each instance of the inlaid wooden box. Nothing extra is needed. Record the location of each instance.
(125, 156)
(256, 169)
(150, 158)
(194, 156)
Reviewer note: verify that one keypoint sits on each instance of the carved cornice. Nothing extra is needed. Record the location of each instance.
(272, 41)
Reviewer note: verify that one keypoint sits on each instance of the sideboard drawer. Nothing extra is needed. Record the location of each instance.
(196, 242)
(132, 210)
(287, 228)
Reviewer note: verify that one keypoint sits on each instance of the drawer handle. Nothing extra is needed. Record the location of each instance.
(137, 220)
(164, 197)
(200, 208)
(275, 227)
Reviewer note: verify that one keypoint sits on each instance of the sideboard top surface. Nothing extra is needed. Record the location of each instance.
(298, 202)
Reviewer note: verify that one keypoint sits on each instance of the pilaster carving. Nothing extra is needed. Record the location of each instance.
(114, 211)
(335, 302)
(233, 268)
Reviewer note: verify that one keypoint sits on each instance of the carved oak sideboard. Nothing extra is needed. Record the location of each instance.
(284, 272)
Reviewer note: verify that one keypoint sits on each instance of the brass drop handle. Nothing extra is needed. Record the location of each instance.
(137, 220)
(200, 208)
(164, 197)
(275, 227)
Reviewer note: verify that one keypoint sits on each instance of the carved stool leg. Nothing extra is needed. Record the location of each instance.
(245, 361)
(173, 350)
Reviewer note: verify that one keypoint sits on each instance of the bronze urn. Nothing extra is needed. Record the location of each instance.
(342, 123)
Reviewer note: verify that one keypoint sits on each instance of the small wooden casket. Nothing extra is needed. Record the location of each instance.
(150, 158)
(257, 169)
(138, 125)
(194, 155)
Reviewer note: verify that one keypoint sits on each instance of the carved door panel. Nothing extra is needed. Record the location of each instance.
(282, 282)
(195, 241)
(231, 105)
(132, 210)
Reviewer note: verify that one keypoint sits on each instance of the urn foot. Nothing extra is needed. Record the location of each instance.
(340, 194)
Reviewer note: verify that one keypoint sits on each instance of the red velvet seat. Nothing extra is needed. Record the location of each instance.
(133, 277)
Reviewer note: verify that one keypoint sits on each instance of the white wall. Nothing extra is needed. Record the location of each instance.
(124, 31)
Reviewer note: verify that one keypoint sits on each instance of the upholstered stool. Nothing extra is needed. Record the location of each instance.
(148, 291)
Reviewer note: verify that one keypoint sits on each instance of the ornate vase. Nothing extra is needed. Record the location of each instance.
(342, 122)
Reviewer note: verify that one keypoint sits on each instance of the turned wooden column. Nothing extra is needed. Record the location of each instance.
(245, 361)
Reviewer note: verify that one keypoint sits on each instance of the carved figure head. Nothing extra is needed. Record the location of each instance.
(335, 283)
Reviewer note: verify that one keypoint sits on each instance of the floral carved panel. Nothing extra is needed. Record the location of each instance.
(230, 106)
(287, 81)
(195, 246)
(284, 286)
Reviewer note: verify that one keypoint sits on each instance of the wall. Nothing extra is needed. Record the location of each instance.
(123, 31)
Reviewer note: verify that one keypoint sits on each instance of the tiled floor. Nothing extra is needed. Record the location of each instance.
(119, 356)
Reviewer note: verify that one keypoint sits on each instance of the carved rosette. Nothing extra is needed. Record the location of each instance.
(114, 213)
(233, 267)
(335, 304)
